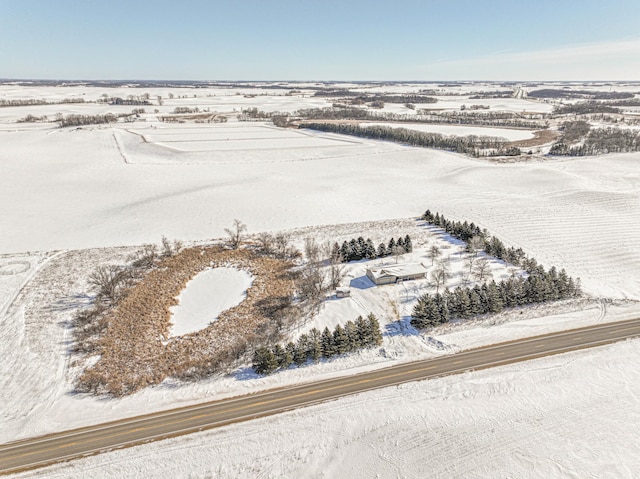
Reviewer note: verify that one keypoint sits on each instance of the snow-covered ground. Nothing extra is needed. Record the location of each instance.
(209, 293)
(64, 190)
(571, 416)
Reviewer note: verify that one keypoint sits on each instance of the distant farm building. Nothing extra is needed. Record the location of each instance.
(396, 273)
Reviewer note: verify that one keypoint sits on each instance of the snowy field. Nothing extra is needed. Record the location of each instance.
(63, 191)
(568, 416)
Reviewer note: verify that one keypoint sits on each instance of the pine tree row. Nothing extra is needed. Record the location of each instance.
(492, 297)
(538, 287)
(471, 145)
(353, 336)
(358, 249)
(493, 246)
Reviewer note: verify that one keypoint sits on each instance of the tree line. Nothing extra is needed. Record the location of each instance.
(584, 108)
(538, 286)
(592, 94)
(601, 141)
(353, 336)
(492, 297)
(479, 239)
(80, 120)
(357, 249)
(493, 118)
(476, 146)
(36, 101)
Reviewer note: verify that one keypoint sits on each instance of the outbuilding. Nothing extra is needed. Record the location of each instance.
(343, 292)
(396, 273)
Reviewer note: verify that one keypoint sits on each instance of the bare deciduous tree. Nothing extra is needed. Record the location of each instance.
(109, 281)
(265, 242)
(440, 275)
(312, 250)
(235, 233)
(146, 257)
(337, 272)
(434, 252)
(481, 268)
(311, 283)
(397, 251)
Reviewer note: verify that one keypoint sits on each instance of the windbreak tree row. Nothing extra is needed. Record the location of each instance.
(358, 249)
(472, 145)
(353, 336)
(536, 286)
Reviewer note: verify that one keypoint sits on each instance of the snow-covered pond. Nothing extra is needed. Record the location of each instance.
(207, 295)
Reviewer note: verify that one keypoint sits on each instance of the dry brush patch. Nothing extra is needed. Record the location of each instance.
(135, 350)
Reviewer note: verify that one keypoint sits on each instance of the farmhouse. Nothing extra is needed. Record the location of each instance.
(396, 273)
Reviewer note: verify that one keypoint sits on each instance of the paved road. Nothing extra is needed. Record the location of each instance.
(66, 445)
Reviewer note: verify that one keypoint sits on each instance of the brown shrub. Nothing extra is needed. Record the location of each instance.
(135, 348)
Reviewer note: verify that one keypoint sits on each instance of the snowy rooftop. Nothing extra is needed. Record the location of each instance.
(408, 269)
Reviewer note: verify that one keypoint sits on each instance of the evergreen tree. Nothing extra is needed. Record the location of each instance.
(463, 303)
(352, 335)
(392, 244)
(314, 349)
(283, 357)
(382, 250)
(494, 298)
(354, 249)
(408, 247)
(362, 331)
(442, 308)
(264, 361)
(374, 330)
(345, 252)
(300, 355)
(290, 349)
(370, 250)
(340, 340)
(425, 313)
(328, 347)
(474, 301)
(361, 247)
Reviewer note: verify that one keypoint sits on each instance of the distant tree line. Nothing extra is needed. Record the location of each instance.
(353, 336)
(35, 101)
(585, 108)
(538, 286)
(626, 102)
(601, 141)
(385, 98)
(358, 249)
(80, 120)
(594, 95)
(491, 94)
(472, 145)
(490, 118)
(342, 111)
(136, 101)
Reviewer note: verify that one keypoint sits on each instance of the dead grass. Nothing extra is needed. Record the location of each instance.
(540, 137)
(135, 350)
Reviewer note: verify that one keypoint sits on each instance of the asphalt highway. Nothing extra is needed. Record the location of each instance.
(41, 451)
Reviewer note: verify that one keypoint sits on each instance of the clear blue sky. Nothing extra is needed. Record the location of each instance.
(320, 40)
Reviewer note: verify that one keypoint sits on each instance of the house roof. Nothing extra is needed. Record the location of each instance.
(398, 270)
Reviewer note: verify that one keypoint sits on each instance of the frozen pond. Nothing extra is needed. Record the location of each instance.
(207, 295)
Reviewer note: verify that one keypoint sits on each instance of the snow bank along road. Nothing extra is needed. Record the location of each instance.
(44, 450)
